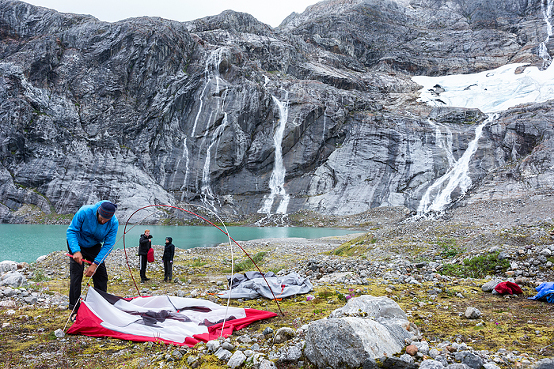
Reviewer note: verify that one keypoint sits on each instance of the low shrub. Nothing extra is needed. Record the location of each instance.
(477, 267)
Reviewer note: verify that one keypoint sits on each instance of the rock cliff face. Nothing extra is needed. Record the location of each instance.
(320, 113)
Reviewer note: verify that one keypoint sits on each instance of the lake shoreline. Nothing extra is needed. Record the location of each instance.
(28, 242)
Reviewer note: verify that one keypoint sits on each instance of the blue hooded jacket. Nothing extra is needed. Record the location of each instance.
(85, 231)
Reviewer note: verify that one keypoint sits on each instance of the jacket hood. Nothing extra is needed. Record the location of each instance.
(169, 239)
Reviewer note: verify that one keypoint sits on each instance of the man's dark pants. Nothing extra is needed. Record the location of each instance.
(168, 270)
(143, 262)
(100, 277)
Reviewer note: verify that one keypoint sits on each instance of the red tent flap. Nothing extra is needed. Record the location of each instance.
(169, 319)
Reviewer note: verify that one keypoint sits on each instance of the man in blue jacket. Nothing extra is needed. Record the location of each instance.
(90, 237)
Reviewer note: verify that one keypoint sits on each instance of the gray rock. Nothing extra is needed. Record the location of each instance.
(389, 363)
(192, 360)
(266, 364)
(431, 364)
(489, 286)
(244, 339)
(227, 346)
(30, 300)
(236, 360)
(472, 313)
(223, 354)
(13, 279)
(349, 341)
(545, 364)
(283, 334)
(442, 359)
(8, 292)
(371, 307)
(457, 366)
(407, 358)
(422, 347)
(433, 353)
(7, 266)
(213, 345)
(291, 353)
(469, 358)
(176, 354)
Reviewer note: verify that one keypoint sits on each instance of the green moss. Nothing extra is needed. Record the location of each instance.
(450, 248)
(196, 263)
(356, 246)
(247, 264)
(477, 267)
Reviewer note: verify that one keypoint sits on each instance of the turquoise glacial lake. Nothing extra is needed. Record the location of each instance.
(27, 242)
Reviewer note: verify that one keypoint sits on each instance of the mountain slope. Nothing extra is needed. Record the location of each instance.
(319, 114)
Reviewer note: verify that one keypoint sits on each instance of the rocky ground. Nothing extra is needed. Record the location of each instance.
(436, 270)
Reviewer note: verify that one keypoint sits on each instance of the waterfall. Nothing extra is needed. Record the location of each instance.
(323, 132)
(444, 141)
(456, 177)
(211, 72)
(209, 91)
(277, 180)
(186, 158)
(543, 50)
(208, 196)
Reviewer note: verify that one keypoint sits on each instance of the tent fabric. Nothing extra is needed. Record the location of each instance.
(253, 285)
(508, 287)
(238, 278)
(173, 320)
(545, 291)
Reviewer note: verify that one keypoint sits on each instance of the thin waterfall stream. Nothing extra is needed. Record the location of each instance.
(277, 179)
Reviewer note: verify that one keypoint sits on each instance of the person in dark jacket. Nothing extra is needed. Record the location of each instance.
(169, 252)
(144, 245)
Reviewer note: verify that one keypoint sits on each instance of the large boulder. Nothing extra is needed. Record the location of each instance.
(367, 327)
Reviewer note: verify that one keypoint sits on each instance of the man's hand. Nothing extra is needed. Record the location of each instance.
(78, 257)
(91, 270)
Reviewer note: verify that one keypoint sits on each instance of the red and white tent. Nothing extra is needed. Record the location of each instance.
(173, 320)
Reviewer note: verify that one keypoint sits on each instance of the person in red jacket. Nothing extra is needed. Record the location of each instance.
(144, 245)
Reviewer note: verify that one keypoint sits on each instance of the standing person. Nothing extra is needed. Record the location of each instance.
(169, 252)
(91, 237)
(144, 245)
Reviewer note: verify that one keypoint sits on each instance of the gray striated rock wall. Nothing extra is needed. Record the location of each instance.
(148, 110)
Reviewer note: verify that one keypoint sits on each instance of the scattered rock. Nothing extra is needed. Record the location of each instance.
(472, 313)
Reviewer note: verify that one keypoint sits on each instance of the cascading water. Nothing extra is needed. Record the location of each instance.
(208, 196)
(210, 91)
(277, 179)
(457, 177)
(186, 158)
(543, 50)
(444, 141)
(211, 73)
